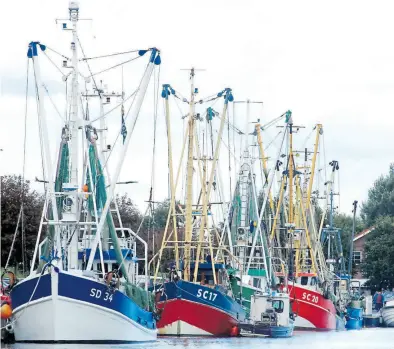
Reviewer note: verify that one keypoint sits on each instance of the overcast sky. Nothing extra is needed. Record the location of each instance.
(329, 62)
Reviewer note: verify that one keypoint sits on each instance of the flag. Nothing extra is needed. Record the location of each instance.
(124, 130)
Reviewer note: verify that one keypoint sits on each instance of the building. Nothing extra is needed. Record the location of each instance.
(358, 256)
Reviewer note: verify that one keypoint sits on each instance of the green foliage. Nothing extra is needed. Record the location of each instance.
(378, 211)
(152, 227)
(344, 222)
(380, 200)
(11, 192)
(131, 216)
(378, 264)
(161, 213)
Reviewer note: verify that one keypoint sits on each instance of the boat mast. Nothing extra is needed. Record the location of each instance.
(154, 60)
(263, 159)
(319, 131)
(48, 171)
(244, 193)
(74, 124)
(189, 181)
(291, 171)
(206, 190)
(166, 89)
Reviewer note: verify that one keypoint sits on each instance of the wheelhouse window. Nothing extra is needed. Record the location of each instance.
(304, 280)
(357, 257)
(278, 306)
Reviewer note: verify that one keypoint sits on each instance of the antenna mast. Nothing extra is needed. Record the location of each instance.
(189, 181)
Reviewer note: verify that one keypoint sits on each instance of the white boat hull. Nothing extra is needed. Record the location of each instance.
(57, 318)
(388, 314)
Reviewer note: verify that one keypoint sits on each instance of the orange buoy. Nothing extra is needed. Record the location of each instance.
(234, 331)
(6, 311)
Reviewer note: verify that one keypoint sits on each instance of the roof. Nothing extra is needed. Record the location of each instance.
(365, 232)
(361, 281)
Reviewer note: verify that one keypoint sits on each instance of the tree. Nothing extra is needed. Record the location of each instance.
(13, 192)
(378, 264)
(380, 200)
(378, 211)
(344, 222)
(152, 227)
(129, 213)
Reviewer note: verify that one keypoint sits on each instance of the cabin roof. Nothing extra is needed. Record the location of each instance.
(365, 232)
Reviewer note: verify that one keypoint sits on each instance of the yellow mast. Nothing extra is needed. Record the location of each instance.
(290, 168)
(228, 98)
(172, 187)
(264, 160)
(281, 192)
(306, 229)
(171, 212)
(189, 183)
(203, 217)
(319, 131)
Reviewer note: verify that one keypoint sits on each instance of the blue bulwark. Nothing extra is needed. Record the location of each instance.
(23, 291)
(108, 255)
(99, 294)
(207, 266)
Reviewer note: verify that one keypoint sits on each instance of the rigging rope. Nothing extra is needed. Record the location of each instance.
(125, 118)
(53, 104)
(57, 53)
(40, 127)
(53, 63)
(270, 143)
(110, 55)
(24, 170)
(116, 106)
(21, 216)
(90, 71)
(114, 66)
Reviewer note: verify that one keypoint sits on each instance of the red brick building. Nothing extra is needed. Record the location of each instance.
(358, 251)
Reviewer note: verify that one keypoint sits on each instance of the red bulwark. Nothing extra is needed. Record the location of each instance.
(309, 305)
(205, 320)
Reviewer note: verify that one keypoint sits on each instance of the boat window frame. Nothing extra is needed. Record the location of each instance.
(281, 305)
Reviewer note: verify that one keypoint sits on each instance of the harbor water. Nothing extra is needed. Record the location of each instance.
(374, 338)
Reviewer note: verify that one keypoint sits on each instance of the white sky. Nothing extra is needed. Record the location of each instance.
(329, 62)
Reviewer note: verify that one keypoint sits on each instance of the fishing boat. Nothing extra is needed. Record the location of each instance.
(270, 315)
(388, 313)
(75, 293)
(296, 235)
(197, 299)
(253, 272)
(286, 225)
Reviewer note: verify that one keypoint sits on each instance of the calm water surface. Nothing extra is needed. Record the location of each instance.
(379, 338)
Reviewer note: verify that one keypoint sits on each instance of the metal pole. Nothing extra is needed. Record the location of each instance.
(32, 53)
(133, 119)
(351, 241)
